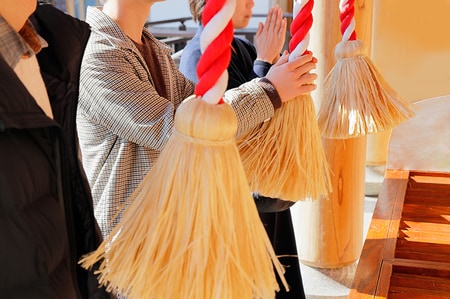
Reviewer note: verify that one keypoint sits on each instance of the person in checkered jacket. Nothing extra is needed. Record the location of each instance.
(130, 88)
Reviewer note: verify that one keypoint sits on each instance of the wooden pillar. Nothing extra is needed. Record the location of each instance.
(329, 231)
(81, 10)
(70, 7)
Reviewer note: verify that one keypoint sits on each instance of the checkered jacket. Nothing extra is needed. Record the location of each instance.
(122, 122)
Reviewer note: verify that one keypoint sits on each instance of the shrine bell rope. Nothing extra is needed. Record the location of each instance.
(191, 229)
(357, 100)
(284, 158)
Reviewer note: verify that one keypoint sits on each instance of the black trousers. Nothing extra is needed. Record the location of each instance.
(280, 230)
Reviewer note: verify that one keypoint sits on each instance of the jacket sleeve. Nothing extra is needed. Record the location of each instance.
(252, 103)
(116, 92)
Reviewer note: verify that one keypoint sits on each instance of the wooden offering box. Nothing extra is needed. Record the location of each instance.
(407, 249)
(406, 253)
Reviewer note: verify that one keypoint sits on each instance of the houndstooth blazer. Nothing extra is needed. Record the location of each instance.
(122, 122)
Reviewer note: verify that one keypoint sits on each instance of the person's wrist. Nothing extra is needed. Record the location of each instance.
(263, 60)
(271, 92)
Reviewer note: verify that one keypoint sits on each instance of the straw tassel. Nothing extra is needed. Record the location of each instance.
(192, 230)
(284, 158)
(357, 99)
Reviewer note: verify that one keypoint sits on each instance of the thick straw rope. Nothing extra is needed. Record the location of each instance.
(357, 100)
(192, 230)
(284, 158)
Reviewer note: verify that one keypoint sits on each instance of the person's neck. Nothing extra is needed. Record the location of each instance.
(129, 15)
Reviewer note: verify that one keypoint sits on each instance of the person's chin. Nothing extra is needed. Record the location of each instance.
(247, 20)
(242, 24)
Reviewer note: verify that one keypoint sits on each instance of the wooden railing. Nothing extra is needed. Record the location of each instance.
(178, 36)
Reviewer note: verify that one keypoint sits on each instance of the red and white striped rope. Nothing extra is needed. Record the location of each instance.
(215, 41)
(347, 17)
(300, 27)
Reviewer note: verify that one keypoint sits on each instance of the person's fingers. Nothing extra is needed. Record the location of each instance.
(260, 29)
(270, 20)
(308, 78)
(283, 58)
(307, 88)
(274, 19)
(306, 68)
(283, 27)
(298, 61)
(279, 19)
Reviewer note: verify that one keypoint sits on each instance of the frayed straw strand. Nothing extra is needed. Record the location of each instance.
(284, 158)
(192, 230)
(357, 99)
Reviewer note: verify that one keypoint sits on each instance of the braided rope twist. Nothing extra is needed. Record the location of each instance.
(300, 27)
(215, 41)
(347, 17)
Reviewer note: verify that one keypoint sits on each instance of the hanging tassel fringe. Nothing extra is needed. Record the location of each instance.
(284, 158)
(192, 230)
(357, 100)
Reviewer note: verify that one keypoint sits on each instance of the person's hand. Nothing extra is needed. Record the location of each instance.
(270, 37)
(293, 78)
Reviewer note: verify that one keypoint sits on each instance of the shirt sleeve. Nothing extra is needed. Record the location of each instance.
(260, 68)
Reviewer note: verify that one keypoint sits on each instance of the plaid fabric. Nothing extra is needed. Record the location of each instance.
(14, 45)
(123, 124)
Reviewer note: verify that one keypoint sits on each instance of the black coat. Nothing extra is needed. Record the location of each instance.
(60, 66)
(37, 256)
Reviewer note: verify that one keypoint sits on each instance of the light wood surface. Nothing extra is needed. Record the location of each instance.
(329, 231)
(407, 250)
(411, 48)
(406, 253)
(423, 142)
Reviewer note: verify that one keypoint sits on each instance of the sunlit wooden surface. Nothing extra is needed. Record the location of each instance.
(406, 253)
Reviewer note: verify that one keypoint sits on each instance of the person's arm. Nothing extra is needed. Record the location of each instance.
(251, 104)
(115, 92)
(256, 101)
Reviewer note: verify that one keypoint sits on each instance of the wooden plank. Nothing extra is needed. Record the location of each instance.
(382, 289)
(381, 237)
(416, 226)
(430, 177)
(427, 212)
(436, 255)
(406, 279)
(408, 293)
(429, 268)
(433, 198)
(419, 282)
(426, 237)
